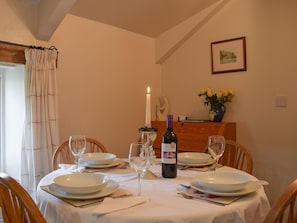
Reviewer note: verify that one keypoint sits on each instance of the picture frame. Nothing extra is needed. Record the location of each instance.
(228, 55)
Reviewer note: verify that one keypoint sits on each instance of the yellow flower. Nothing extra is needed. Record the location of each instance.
(211, 115)
(219, 94)
(225, 92)
(202, 91)
(209, 92)
(216, 98)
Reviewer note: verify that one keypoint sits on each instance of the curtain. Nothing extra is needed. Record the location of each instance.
(40, 134)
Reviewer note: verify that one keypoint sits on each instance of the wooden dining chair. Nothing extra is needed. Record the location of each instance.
(63, 155)
(16, 203)
(237, 156)
(284, 210)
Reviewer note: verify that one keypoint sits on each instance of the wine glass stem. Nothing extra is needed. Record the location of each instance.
(216, 166)
(139, 184)
(217, 163)
(77, 166)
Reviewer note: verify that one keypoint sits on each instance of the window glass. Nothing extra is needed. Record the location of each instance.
(12, 115)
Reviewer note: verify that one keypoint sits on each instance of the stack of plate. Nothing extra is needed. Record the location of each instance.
(82, 186)
(194, 159)
(225, 183)
(99, 160)
(81, 183)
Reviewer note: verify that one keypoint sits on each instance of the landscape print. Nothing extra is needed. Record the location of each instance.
(227, 56)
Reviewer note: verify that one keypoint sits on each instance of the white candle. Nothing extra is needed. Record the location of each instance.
(148, 108)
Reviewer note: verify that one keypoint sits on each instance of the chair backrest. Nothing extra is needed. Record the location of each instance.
(16, 204)
(284, 210)
(237, 156)
(63, 155)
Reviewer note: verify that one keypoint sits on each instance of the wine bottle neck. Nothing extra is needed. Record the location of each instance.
(169, 123)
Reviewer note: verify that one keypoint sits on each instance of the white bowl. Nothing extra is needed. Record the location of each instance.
(98, 158)
(222, 181)
(81, 183)
(193, 157)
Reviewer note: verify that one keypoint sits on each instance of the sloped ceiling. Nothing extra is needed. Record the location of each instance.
(147, 17)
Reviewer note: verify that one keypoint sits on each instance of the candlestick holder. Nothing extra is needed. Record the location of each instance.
(148, 136)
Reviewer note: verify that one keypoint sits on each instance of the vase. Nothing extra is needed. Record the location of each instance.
(216, 113)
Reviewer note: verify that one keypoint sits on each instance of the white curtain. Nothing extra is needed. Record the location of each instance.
(40, 136)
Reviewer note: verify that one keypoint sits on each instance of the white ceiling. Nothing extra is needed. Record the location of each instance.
(147, 17)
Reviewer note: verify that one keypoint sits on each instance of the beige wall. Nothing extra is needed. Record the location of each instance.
(102, 78)
(269, 132)
(103, 73)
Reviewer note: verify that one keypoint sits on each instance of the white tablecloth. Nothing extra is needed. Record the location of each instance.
(165, 205)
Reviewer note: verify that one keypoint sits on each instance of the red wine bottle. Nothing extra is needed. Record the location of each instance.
(169, 150)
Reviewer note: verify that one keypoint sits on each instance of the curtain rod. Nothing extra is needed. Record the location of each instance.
(30, 46)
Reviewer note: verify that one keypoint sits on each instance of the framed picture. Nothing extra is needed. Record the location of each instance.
(228, 55)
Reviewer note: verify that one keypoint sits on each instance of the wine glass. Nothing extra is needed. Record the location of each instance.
(148, 136)
(216, 147)
(77, 146)
(139, 160)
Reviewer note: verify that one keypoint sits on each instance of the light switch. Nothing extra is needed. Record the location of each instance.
(281, 101)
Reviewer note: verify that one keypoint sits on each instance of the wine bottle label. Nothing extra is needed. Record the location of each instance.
(168, 155)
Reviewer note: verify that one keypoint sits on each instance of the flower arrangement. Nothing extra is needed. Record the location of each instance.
(216, 98)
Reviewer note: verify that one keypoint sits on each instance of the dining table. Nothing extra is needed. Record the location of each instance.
(169, 200)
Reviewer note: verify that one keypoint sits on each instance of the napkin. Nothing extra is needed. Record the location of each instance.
(115, 204)
(84, 203)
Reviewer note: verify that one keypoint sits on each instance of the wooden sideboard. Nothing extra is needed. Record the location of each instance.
(193, 136)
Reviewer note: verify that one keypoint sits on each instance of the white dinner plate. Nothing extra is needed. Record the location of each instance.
(193, 157)
(116, 162)
(98, 158)
(111, 187)
(209, 162)
(251, 187)
(222, 181)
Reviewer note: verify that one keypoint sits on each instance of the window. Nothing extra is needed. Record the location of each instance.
(1, 119)
(12, 114)
(12, 54)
